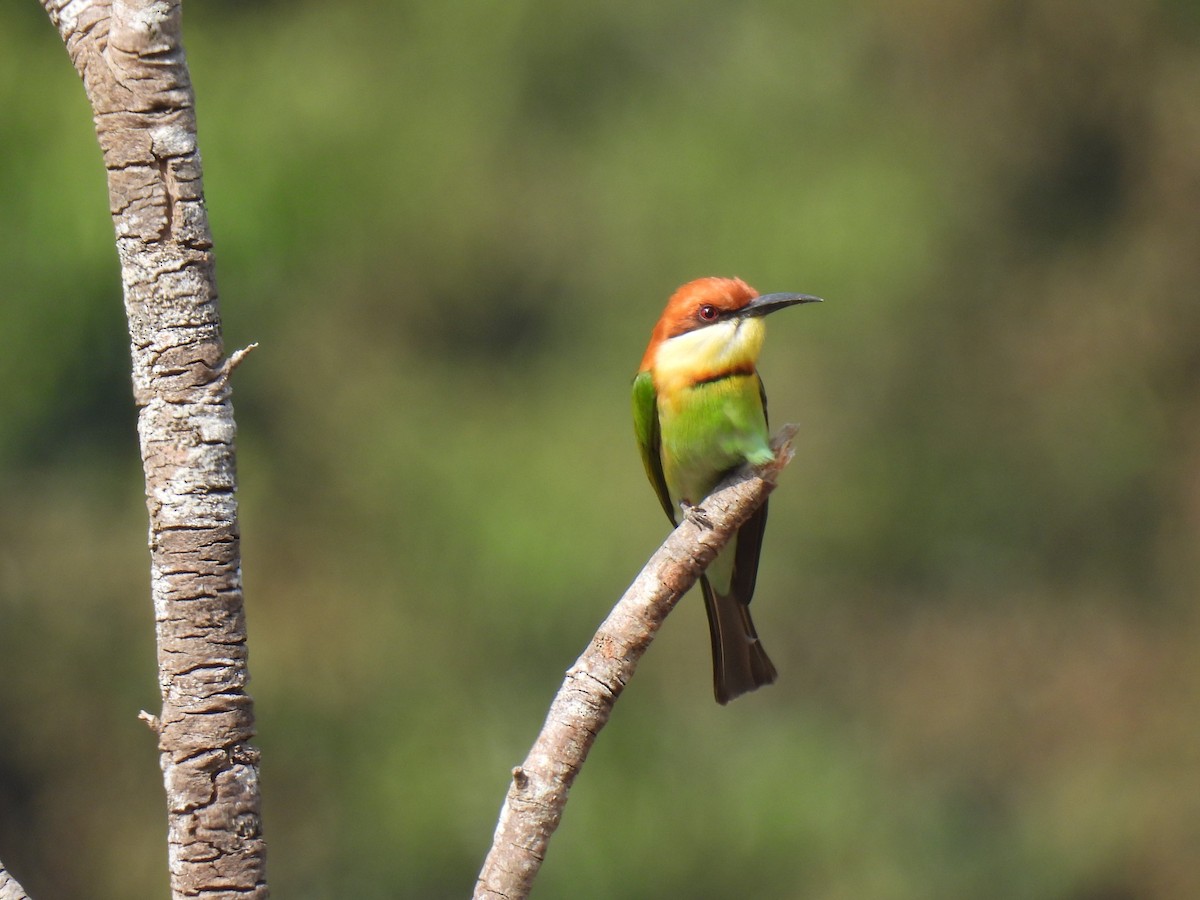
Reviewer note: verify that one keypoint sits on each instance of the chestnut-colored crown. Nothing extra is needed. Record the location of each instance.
(691, 307)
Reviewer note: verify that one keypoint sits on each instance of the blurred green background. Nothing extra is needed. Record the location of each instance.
(451, 227)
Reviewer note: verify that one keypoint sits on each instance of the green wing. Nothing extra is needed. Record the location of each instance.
(645, 427)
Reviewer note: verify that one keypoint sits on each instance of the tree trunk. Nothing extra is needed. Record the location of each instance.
(130, 56)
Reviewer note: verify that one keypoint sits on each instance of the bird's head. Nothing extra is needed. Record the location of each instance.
(708, 302)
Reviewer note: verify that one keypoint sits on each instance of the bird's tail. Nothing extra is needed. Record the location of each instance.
(740, 664)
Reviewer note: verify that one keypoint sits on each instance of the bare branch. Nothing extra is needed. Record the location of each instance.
(538, 794)
(9, 889)
(130, 56)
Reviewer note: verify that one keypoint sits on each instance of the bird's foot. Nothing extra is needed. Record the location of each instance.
(696, 515)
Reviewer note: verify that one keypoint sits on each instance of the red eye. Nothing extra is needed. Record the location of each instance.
(709, 313)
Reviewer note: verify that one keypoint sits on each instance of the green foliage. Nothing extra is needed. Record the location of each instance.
(451, 228)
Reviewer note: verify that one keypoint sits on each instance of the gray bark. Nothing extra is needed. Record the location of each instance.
(9, 889)
(130, 56)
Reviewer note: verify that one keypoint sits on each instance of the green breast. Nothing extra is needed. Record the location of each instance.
(708, 429)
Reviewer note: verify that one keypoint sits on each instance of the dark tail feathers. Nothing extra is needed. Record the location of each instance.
(740, 664)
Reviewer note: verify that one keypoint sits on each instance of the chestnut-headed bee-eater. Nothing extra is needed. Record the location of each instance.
(699, 411)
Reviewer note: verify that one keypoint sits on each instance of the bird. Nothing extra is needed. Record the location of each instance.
(700, 411)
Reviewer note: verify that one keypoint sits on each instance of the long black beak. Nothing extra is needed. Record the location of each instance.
(768, 303)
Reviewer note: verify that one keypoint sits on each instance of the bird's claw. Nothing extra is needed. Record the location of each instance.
(696, 515)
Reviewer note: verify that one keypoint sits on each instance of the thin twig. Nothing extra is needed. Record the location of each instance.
(538, 793)
(226, 368)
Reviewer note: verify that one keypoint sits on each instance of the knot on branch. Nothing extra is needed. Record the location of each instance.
(152, 721)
